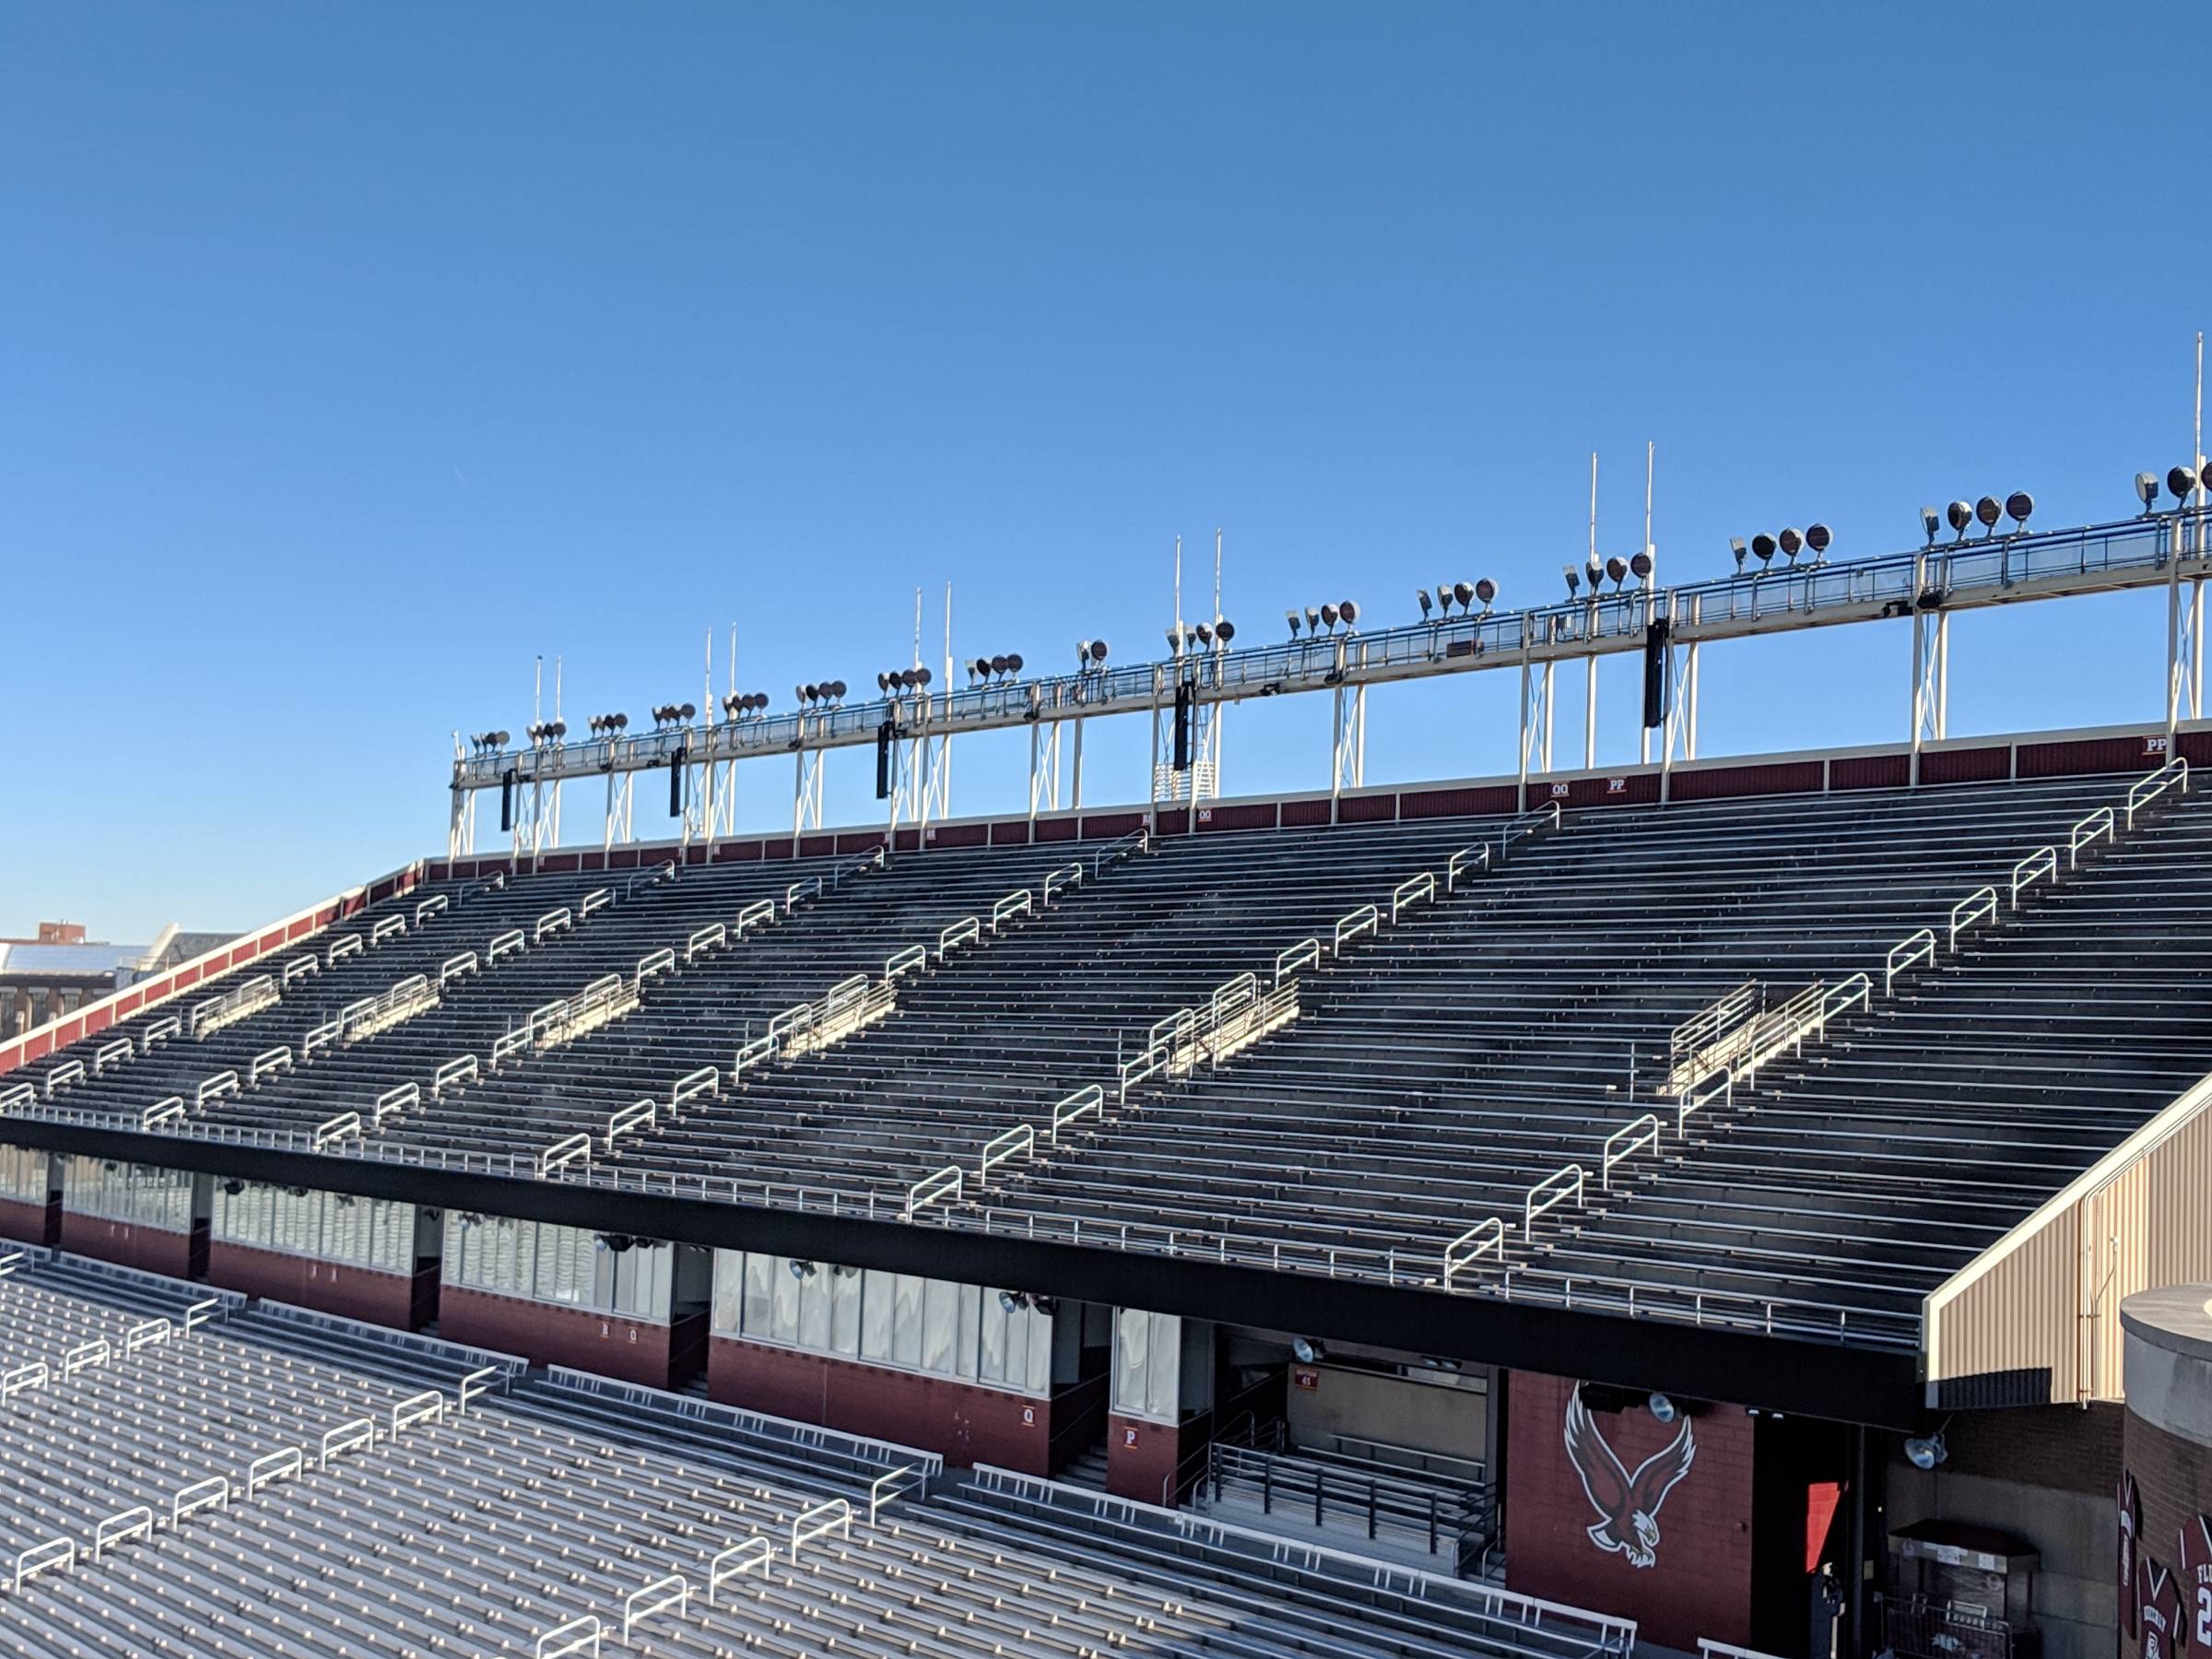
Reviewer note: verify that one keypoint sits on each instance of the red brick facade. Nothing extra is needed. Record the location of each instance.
(385, 1299)
(129, 1244)
(634, 1350)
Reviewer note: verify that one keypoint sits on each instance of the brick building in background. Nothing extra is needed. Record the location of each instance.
(58, 970)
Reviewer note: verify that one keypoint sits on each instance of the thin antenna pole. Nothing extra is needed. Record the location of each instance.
(2196, 445)
(1179, 596)
(733, 658)
(1217, 572)
(1590, 696)
(1651, 585)
(706, 683)
(537, 691)
(557, 688)
(917, 627)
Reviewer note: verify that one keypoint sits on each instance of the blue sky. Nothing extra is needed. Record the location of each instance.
(355, 354)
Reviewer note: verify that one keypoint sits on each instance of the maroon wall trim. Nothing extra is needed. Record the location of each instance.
(128, 1244)
(30, 1223)
(1870, 772)
(1142, 1457)
(396, 1299)
(634, 1350)
(1965, 766)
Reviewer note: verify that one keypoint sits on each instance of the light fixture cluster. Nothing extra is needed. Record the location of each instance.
(1204, 635)
(1090, 655)
(1988, 512)
(2180, 481)
(489, 743)
(1323, 619)
(1014, 1302)
(608, 725)
(1005, 666)
(737, 705)
(673, 714)
(820, 691)
(548, 732)
(1466, 593)
(893, 681)
(1598, 571)
(1814, 539)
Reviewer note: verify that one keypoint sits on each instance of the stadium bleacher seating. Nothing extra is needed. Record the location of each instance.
(1496, 1032)
(266, 1481)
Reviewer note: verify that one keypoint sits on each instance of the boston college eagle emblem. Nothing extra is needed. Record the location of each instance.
(1628, 1505)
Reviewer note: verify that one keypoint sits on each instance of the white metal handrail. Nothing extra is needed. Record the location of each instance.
(212, 1493)
(1413, 890)
(1477, 857)
(395, 1100)
(1692, 1101)
(912, 958)
(475, 1386)
(204, 1311)
(1013, 904)
(578, 1636)
(347, 1125)
(945, 1185)
(1549, 1194)
(559, 919)
(21, 1094)
(54, 1552)
(386, 929)
(575, 1148)
(754, 1054)
(2043, 861)
(429, 1406)
(1979, 906)
(1088, 1101)
(2085, 834)
(759, 914)
(1132, 1072)
(1528, 823)
(1623, 1144)
(85, 1354)
(1367, 919)
(268, 1061)
(69, 1071)
(160, 1112)
(710, 938)
(1016, 1141)
(347, 1437)
(1905, 953)
(706, 1080)
(1305, 953)
(111, 1054)
(880, 1490)
(429, 907)
(966, 930)
(654, 963)
(215, 1087)
(278, 1465)
(1138, 839)
(136, 1522)
(2144, 791)
(642, 1115)
(597, 899)
(1855, 992)
(464, 1070)
(298, 968)
(506, 944)
(1232, 996)
(161, 1031)
(835, 1516)
(24, 1379)
(791, 1020)
(1487, 1235)
(675, 1591)
(752, 1556)
(1066, 877)
(341, 948)
(808, 887)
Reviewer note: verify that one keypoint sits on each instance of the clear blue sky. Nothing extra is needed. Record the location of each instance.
(354, 355)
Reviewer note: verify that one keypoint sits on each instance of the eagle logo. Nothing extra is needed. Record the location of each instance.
(1628, 1505)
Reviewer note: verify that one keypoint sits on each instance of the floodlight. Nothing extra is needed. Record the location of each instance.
(1663, 1409)
(1309, 1350)
(1735, 546)
(1443, 596)
(998, 662)
(1205, 634)
(2146, 490)
(1010, 1302)
(1349, 610)
(1098, 650)
(1791, 543)
(1486, 589)
(802, 1271)
(1574, 575)
(1762, 545)
(1292, 617)
(1617, 568)
(1224, 630)
(1962, 518)
(1989, 510)
(1817, 537)
(1595, 573)
(1641, 564)
(2180, 481)
(1313, 621)
(1931, 521)
(1421, 597)
(1328, 615)
(923, 676)
(1925, 1452)
(837, 690)
(1463, 593)
(1013, 665)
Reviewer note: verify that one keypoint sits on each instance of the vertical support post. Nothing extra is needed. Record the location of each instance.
(1943, 674)
(1920, 657)
(1077, 770)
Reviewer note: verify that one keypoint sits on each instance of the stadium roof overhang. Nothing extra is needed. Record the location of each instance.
(1880, 1388)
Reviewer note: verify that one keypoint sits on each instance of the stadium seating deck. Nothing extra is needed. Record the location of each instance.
(1497, 1030)
(410, 1524)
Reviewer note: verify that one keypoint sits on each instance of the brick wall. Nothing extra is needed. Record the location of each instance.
(2173, 1479)
(1700, 1583)
(2063, 1446)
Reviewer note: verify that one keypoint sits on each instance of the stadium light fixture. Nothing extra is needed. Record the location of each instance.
(1465, 593)
(1926, 1451)
(1617, 568)
(1663, 1409)
(1762, 548)
(1793, 543)
(1011, 1301)
(1328, 618)
(1574, 574)
(1313, 621)
(1292, 617)
(1931, 521)
(1595, 573)
(1818, 537)
(2180, 481)
(1349, 610)
(1962, 518)
(2146, 490)
(801, 1270)
(1735, 546)
(1486, 591)
(1421, 597)
(1640, 565)
(2018, 506)
(1224, 630)
(1987, 512)
(1444, 597)
(1309, 1350)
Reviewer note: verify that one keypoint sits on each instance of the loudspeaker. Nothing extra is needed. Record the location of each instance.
(507, 801)
(886, 736)
(1186, 695)
(1658, 672)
